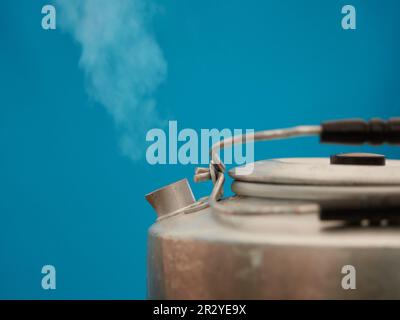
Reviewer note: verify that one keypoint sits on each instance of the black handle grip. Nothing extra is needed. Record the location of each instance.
(357, 131)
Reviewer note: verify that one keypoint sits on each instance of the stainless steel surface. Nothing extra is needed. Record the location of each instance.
(327, 196)
(202, 255)
(256, 247)
(318, 171)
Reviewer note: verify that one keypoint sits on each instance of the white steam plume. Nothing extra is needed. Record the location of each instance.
(122, 62)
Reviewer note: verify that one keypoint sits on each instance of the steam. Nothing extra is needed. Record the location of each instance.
(122, 62)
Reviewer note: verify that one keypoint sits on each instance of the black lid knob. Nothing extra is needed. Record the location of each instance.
(368, 159)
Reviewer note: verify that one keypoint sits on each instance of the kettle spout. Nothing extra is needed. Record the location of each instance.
(171, 198)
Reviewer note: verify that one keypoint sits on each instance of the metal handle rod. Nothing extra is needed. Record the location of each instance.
(216, 169)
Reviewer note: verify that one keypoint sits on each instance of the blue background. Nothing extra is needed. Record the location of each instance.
(69, 198)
